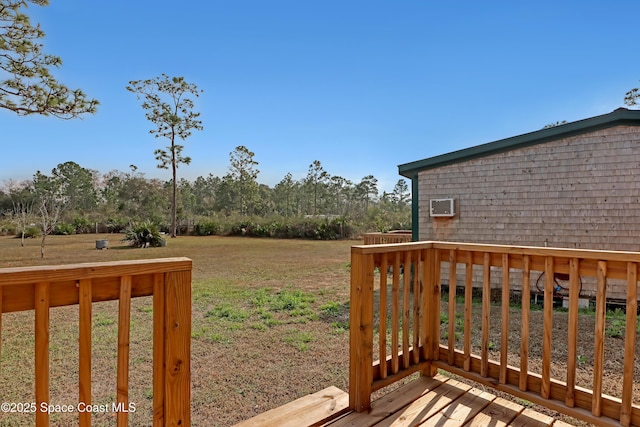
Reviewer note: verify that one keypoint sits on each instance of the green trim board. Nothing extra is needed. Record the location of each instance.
(415, 219)
(621, 116)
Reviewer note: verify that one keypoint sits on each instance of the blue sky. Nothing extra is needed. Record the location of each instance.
(362, 86)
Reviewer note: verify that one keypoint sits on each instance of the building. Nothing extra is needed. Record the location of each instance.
(574, 185)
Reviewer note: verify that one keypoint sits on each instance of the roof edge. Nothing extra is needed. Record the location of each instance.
(620, 116)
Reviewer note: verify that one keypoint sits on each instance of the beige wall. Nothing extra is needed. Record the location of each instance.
(578, 192)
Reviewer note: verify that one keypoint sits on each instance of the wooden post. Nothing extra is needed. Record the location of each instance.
(361, 331)
(431, 304)
(177, 350)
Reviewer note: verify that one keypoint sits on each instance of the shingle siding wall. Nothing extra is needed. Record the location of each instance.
(577, 192)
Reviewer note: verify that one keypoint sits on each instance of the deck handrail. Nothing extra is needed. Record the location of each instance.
(407, 280)
(168, 280)
(378, 238)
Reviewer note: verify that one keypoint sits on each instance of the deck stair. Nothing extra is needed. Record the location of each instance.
(308, 411)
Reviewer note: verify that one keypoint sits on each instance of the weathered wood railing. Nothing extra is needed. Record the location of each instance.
(168, 280)
(396, 291)
(378, 238)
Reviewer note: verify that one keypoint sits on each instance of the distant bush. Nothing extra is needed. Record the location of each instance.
(293, 228)
(143, 235)
(63, 229)
(30, 232)
(82, 225)
(7, 229)
(116, 225)
(207, 228)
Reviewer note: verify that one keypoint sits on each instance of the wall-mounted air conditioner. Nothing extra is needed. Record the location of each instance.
(442, 207)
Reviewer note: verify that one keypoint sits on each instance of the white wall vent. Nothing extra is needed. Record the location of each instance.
(441, 207)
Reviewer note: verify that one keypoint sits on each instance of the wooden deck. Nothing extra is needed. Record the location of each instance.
(426, 401)
(442, 401)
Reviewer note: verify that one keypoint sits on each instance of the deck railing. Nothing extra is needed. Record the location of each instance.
(396, 292)
(167, 280)
(379, 238)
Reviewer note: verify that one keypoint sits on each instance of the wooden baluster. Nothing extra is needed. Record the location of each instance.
(468, 312)
(417, 309)
(598, 359)
(395, 315)
(158, 349)
(486, 314)
(84, 353)
(629, 343)
(384, 266)
(1, 324)
(572, 331)
(428, 280)
(42, 350)
(124, 319)
(452, 306)
(436, 299)
(547, 327)
(504, 339)
(406, 285)
(524, 331)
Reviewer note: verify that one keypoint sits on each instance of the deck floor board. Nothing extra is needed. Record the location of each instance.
(444, 402)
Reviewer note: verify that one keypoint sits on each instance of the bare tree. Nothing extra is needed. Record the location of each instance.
(21, 211)
(50, 204)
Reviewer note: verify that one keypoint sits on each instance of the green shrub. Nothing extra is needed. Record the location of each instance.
(143, 235)
(293, 228)
(82, 225)
(63, 229)
(7, 229)
(116, 225)
(30, 232)
(207, 228)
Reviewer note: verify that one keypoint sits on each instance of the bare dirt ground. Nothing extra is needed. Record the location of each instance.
(270, 324)
(614, 350)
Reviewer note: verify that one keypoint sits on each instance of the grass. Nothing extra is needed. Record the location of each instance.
(269, 325)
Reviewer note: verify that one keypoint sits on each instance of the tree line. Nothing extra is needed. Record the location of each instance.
(74, 199)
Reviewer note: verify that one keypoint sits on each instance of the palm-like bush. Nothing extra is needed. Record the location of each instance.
(143, 235)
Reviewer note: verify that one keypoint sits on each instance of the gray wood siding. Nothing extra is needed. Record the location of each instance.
(577, 192)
